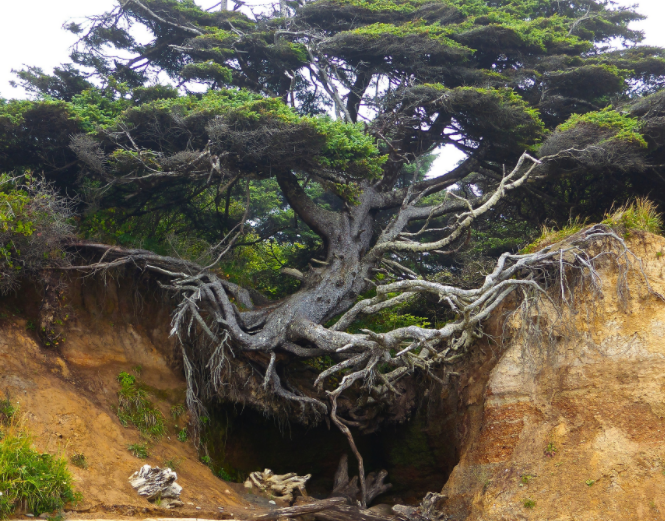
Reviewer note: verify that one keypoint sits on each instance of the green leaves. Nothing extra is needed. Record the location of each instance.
(40, 482)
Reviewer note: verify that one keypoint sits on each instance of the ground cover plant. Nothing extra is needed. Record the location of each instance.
(31, 481)
(135, 408)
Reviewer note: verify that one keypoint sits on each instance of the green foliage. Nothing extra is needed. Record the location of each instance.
(134, 408)
(7, 410)
(182, 435)
(40, 482)
(138, 450)
(526, 479)
(553, 235)
(79, 460)
(177, 411)
(590, 482)
(209, 71)
(223, 474)
(622, 127)
(641, 214)
(172, 463)
(550, 451)
(528, 503)
(388, 319)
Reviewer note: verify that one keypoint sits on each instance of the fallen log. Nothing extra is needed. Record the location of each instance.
(349, 513)
(331, 509)
(300, 510)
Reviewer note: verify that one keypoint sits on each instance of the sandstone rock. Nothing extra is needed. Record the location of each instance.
(572, 425)
(157, 485)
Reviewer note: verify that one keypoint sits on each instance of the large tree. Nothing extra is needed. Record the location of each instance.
(331, 110)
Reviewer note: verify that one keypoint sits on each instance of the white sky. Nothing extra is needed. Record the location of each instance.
(31, 34)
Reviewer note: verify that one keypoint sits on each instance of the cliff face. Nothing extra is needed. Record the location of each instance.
(68, 394)
(575, 430)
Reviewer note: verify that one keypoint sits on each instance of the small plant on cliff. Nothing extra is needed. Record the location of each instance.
(135, 409)
(79, 460)
(553, 235)
(642, 214)
(177, 411)
(526, 478)
(172, 463)
(7, 410)
(31, 480)
(139, 450)
(590, 482)
(182, 435)
(528, 502)
(550, 451)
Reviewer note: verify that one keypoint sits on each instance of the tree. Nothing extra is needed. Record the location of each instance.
(402, 79)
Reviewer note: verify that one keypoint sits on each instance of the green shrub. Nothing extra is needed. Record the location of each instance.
(182, 435)
(135, 409)
(139, 450)
(29, 479)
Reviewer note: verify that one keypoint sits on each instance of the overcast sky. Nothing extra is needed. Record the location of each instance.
(31, 34)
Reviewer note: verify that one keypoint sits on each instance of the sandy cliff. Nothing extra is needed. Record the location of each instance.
(575, 430)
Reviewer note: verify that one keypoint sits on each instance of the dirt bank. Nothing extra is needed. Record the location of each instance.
(68, 395)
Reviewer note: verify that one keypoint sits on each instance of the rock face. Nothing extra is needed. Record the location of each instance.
(157, 484)
(573, 429)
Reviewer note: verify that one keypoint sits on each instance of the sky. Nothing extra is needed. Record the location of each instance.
(46, 44)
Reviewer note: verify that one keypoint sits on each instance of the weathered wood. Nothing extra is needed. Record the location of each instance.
(300, 510)
(349, 513)
(281, 486)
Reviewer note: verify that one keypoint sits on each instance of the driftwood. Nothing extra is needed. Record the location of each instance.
(300, 510)
(157, 484)
(350, 513)
(281, 486)
(428, 510)
(349, 489)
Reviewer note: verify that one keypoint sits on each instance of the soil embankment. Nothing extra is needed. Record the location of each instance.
(69, 394)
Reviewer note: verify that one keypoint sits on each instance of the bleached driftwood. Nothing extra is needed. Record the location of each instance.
(157, 484)
(281, 486)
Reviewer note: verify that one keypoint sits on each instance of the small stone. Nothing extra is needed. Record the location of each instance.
(272, 502)
(198, 508)
(29, 515)
(227, 491)
(43, 516)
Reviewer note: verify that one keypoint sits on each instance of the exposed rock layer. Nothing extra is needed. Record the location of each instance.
(573, 430)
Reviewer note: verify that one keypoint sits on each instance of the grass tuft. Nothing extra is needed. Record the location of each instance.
(139, 450)
(528, 502)
(30, 480)
(641, 214)
(553, 235)
(7, 410)
(135, 409)
(172, 463)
